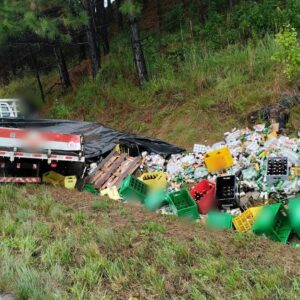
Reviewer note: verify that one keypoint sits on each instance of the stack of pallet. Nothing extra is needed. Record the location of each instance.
(113, 170)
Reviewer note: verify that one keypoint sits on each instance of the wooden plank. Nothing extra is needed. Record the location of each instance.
(104, 161)
(128, 170)
(131, 168)
(110, 172)
(117, 174)
(96, 176)
(104, 169)
(109, 163)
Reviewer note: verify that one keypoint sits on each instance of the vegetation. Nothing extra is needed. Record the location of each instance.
(193, 73)
(289, 52)
(223, 85)
(54, 247)
(84, 24)
(203, 60)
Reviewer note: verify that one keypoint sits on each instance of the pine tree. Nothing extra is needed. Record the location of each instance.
(119, 14)
(102, 24)
(132, 9)
(52, 21)
(94, 50)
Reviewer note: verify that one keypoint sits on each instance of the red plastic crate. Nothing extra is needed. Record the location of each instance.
(204, 193)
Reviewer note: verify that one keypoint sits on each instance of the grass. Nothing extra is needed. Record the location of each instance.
(190, 86)
(50, 250)
(66, 245)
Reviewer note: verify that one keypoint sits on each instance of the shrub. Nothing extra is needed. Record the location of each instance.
(288, 53)
(60, 110)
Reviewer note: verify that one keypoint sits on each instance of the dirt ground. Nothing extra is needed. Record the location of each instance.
(229, 243)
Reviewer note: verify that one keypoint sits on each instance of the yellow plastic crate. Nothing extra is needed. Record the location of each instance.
(111, 193)
(255, 210)
(54, 178)
(244, 222)
(295, 171)
(155, 180)
(218, 160)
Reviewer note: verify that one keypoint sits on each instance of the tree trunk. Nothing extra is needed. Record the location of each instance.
(202, 11)
(110, 10)
(138, 54)
(103, 27)
(11, 60)
(82, 50)
(119, 14)
(158, 15)
(62, 67)
(94, 50)
(37, 73)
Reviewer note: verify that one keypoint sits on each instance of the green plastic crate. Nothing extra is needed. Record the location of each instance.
(294, 214)
(219, 220)
(282, 231)
(156, 200)
(133, 189)
(90, 188)
(183, 204)
(273, 222)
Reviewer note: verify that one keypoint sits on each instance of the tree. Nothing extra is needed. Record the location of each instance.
(94, 50)
(53, 21)
(120, 15)
(102, 25)
(12, 26)
(35, 67)
(158, 15)
(34, 22)
(110, 10)
(132, 9)
(62, 66)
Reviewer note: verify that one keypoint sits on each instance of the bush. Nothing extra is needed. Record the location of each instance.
(289, 51)
(60, 110)
(247, 20)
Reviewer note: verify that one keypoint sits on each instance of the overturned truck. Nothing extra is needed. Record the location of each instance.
(26, 154)
(30, 148)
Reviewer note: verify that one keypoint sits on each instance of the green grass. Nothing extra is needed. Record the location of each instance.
(194, 94)
(50, 251)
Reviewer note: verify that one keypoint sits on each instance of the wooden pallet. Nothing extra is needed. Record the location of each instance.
(113, 170)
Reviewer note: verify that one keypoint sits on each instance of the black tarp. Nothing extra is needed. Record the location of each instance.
(98, 139)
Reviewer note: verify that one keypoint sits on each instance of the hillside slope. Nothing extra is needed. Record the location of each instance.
(59, 244)
(193, 100)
